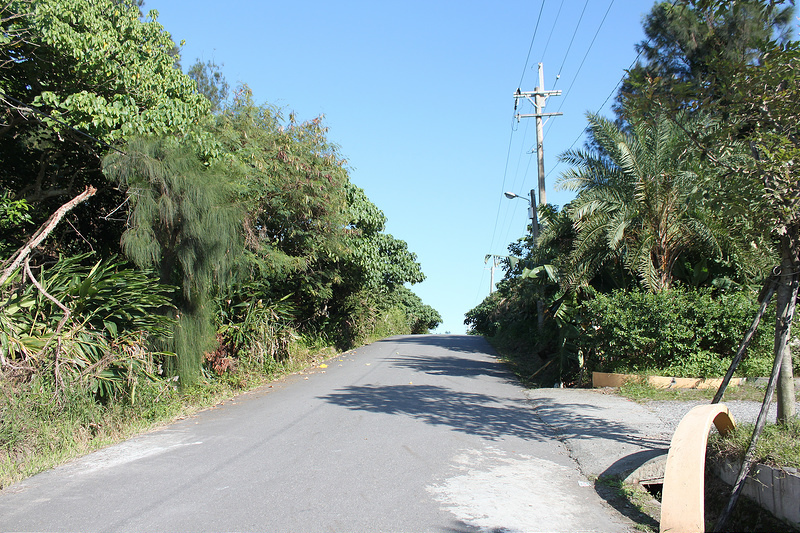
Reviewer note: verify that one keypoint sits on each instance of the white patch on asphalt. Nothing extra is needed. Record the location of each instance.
(126, 452)
(500, 492)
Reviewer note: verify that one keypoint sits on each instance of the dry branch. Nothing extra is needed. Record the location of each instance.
(42, 233)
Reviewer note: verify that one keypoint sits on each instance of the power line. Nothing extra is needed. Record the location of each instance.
(511, 137)
(574, 33)
(555, 22)
(530, 48)
(589, 49)
(500, 203)
(610, 94)
(563, 63)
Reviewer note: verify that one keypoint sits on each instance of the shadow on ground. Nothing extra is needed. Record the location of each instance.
(575, 421)
(644, 515)
(476, 414)
(456, 343)
(453, 366)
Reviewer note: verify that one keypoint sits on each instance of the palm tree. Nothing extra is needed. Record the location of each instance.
(635, 202)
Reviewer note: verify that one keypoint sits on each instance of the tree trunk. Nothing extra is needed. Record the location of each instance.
(786, 297)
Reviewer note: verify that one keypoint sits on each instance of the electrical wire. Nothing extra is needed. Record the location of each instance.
(497, 215)
(558, 76)
(510, 140)
(555, 22)
(583, 61)
(500, 202)
(610, 94)
(530, 48)
(572, 40)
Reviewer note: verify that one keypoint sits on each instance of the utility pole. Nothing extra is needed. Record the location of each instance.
(538, 98)
(535, 233)
(495, 264)
(534, 216)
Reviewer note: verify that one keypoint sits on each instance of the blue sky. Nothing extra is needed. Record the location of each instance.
(418, 95)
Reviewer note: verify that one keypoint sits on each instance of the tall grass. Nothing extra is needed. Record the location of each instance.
(42, 425)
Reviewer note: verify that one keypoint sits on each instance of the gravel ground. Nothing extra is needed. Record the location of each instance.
(608, 434)
(670, 412)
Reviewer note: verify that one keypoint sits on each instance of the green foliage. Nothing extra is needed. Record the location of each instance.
(635, 202)
(98, 66)
(420, 317)
(182, 219)
(72, 71)
(392, 321)
(252, 246)
(372, 259)
(183, 223)
(778, 446)
(484, 319)
(101, 345)
(290, 182)
(508, 318)
(679, 332)
(751, 100)
(685, 38)
(13, 215)
(210, 82)
(256, 329)
(367, 315)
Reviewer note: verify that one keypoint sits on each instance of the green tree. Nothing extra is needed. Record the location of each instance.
(211, 83)
(682, 41)
(373, 268)
(76, 76)
(377, 260)
(764, 112)
(183, 223)
(752, 99)
(291, 182)
(421, 317)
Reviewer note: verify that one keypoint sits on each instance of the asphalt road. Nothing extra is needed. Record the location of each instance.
(417, 433)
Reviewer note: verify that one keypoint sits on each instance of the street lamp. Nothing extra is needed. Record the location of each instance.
(511, 196)
(532, 214)
(535, 231)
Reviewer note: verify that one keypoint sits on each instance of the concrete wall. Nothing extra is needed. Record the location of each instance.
(776, 490)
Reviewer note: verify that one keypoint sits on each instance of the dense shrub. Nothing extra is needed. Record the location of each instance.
(368, 315)
(101, 343)
(679, 332)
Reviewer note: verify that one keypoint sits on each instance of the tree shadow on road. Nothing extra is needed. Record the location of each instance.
(450, 365)
(476, 414)
(585, 421)
(473, 344)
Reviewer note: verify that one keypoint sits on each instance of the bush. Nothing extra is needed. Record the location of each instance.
(102, 343)
(680, 332)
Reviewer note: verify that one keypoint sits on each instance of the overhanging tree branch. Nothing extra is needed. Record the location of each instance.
(42, 233)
